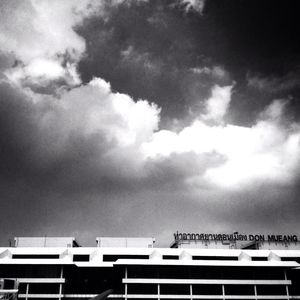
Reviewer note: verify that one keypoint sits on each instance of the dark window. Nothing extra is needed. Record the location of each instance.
(43, 288)
(271, 290)
(142, 271)
(170, 257)
(30, 271)
(207, 289)
(176, 272)
(297, 259)
(215, 258)
(81, 257)
(22, 288)
(268, 273)
(174, 289)
(8, 284)
(259, 258)
(35, 256)
(239, 289)
(206, 273)
(147, 289)
(89, 280)
(238, 273)
(116, 257)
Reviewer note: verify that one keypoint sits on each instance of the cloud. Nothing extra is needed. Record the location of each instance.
(134, 59)
(42, 37)
(217, 105)
(44, 75)
(217, 72)
(268, 151)
(275, 84)
(91, 135)
(197, 5)
(86, 132)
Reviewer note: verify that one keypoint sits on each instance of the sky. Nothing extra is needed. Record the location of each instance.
(144, 117)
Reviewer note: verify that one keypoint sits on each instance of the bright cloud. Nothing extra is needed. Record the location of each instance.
(218, 103)
(267, 151)
(42, 37)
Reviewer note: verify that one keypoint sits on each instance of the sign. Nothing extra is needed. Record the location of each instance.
(235, 237)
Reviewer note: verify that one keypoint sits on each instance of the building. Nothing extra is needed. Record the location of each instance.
(195, 267)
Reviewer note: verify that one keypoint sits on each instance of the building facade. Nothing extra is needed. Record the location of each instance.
(58, 268)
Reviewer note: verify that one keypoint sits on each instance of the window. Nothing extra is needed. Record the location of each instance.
(22, 288)
(271, 290)
(142, 271)
(176, 272)
(171, 257)
(175, 289)
(43, 288)
(215, 258)
(206, 273)
(207, 289)
(108, 257)
(81, 257)
(297, 259)
(239, 289)
(259, 258)
(147, 289)
(35, 256)
(268, 273)
(30, 271)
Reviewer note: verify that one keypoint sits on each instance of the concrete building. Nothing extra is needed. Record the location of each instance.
(132, 268)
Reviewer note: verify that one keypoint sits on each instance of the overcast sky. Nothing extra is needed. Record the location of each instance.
(141, 118)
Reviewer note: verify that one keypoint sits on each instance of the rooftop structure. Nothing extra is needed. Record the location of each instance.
(45, 242)
(125, 242)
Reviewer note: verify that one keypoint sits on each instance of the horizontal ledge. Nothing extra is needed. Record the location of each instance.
(132, 296)
(57, 262)
(218, 263)
(40, 295)
(206, 281)
(92, 295)
(41, 280)
(8, 291)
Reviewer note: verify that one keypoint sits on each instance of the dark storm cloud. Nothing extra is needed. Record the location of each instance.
(146, 50)
(165, 42)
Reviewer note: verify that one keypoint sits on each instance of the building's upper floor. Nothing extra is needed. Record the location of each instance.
(113, 251)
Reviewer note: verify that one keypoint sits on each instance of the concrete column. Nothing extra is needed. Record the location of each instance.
(60, 291)
(286, 286)
(223, 291)
(126, 283)
(61, 285)
(27, 290)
